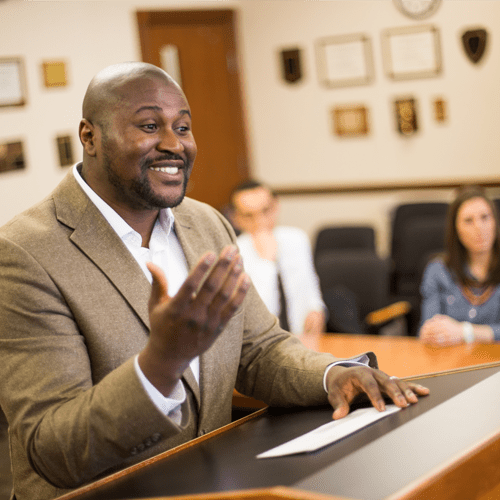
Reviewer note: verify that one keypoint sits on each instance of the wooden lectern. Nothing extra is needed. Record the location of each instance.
(447, 446)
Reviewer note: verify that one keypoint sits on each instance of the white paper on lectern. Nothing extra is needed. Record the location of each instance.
(330, 432)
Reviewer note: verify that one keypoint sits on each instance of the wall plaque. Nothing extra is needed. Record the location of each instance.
(406, 116)
(290, 59)
(11, 156)
(474, 43)
(350, 121)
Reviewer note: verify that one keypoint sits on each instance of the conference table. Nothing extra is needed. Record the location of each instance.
(405, 356)
(447, 446)
(398, 356)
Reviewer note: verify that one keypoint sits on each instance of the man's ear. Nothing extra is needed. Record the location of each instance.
(87, 136)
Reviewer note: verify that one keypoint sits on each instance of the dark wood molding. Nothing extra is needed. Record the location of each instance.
(381, 187)
(159, 17)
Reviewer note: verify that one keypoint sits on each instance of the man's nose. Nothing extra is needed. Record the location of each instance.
(170, 142)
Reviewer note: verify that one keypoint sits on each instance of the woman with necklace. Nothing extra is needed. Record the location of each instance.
(461, 290)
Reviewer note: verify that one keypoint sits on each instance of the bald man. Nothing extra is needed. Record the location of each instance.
(127, 319)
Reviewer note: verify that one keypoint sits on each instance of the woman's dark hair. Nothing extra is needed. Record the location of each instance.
(456, 253)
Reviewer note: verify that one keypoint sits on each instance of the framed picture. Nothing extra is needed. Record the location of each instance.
(54, 74)
(411, 52)
(345, 60)
(11, 156)
(406, 115)
(65, 150)
(440, 111)
(350, 121)
(12, 84)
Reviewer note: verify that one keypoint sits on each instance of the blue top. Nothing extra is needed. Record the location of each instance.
(442, 295)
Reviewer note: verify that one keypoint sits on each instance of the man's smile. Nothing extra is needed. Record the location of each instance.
(168, 170)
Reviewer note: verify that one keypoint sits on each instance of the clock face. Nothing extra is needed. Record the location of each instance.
(417, 9)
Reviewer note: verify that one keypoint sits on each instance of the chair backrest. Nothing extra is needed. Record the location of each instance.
(344, 238)
(361, 271)
(496, 201)
(418, 229)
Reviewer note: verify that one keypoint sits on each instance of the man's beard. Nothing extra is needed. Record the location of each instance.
(139, 192)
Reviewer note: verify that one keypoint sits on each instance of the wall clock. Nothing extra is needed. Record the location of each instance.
(417, 9)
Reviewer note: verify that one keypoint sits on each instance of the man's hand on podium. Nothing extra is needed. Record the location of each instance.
(344, 384)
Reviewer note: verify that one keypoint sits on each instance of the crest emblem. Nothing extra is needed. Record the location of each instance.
(291, 65)
(474, 42)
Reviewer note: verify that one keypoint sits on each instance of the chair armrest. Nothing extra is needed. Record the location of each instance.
(388, 313)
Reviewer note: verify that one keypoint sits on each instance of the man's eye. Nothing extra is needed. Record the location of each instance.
(150, 126)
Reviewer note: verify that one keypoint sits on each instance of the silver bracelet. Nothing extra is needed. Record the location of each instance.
(467, 332)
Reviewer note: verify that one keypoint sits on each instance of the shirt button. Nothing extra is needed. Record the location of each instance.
(472, 313)
(141, 447)
(156, 437)
(133, 451)
(450, 299)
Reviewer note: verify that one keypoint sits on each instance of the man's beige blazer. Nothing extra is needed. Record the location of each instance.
(73, 309)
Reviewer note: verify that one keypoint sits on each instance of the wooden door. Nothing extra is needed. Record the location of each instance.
(210, 80)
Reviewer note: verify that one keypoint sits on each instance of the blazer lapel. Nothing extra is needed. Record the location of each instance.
(99, 242)
(183, 227)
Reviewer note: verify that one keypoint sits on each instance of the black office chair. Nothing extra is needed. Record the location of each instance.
(496, 201)
(418, 231)
(344, 238)
(355, 288)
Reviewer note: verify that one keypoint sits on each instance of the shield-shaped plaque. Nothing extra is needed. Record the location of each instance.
(475, 44)
(292, 71)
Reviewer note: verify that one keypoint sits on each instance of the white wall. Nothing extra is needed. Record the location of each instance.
(289, 126)
(292, 137)
(88, 36)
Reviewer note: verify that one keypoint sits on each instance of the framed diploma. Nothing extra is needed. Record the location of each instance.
(345, 60)
(412, 52)
(12, 84)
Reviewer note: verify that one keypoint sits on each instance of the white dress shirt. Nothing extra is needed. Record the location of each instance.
(295, 263)
(165, 251)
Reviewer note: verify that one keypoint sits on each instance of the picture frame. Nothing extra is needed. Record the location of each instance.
(12, 82)
(412, 52)
(64, 144)
(12, 156)
(345, 60)
(350, 121)
(406, 115)
(440, 110)
(54, 74)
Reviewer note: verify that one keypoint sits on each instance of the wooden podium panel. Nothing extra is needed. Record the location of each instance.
(223, 464)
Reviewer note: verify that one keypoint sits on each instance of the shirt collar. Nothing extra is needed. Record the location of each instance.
(163, 225)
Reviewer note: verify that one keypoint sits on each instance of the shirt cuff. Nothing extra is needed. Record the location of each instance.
(362, 360)
(170, 406)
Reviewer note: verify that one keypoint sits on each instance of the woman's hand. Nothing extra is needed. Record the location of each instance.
(441, 330)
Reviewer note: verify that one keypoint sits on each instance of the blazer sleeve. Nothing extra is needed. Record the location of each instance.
(67, 426)
(275, 366)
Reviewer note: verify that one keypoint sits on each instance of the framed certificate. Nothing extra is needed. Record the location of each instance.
(12, 84)
(345, 60)
(412, 52)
